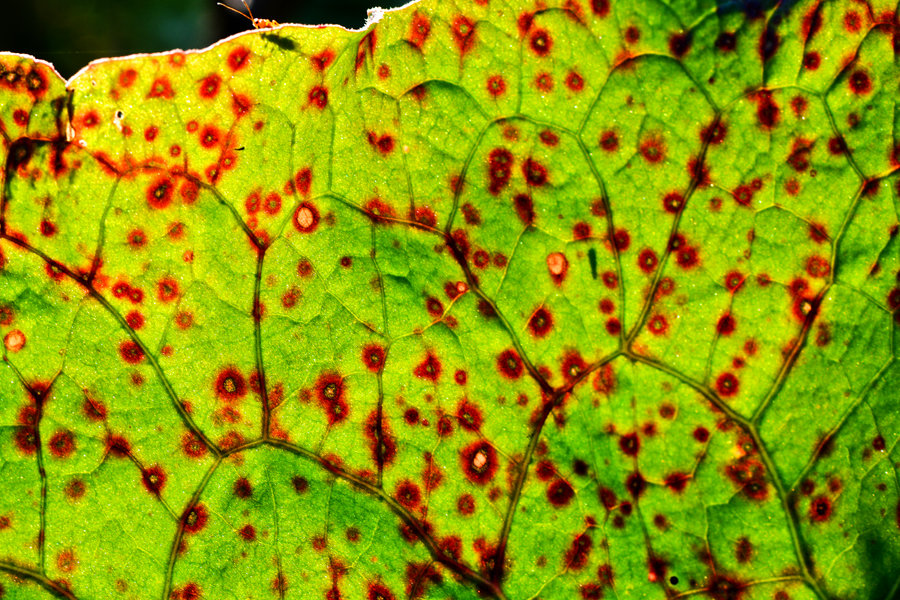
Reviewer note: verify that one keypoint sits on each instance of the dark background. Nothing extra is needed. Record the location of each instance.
(71, 33)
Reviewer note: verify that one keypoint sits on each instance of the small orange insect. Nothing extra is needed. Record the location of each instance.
(257, 23)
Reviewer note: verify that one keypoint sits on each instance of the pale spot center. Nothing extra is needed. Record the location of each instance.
(305, 217)
(556, 262)
(14, 340)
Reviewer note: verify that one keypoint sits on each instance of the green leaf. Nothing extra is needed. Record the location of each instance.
(506, 300)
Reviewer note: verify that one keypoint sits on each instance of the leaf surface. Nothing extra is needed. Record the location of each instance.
(487, 299)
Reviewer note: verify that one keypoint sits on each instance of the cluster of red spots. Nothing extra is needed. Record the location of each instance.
(500, 163)
(804, 304)
(686, 256)
(749, 475)
(479, 462)
(429, 369)
(463, 30)
(15, 79)
(154, 479)
(743, 194)
(331, 391)
(419, 30)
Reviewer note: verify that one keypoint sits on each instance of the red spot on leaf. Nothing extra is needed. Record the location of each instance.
(62, 444)
(430, 368)
(510, 365)
(560, 493)
(306, 218)
(330, 392)
(237, 58)
(727, 385)
(479, 462)
(161, 88)
(154, 479)
(131, 352)
(859, 82)
(463, 30)
(160, 192)
(209, 86)
(230, 385)
(540, 41)
(195, 518)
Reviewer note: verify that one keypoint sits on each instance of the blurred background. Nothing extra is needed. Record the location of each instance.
(71, 33)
